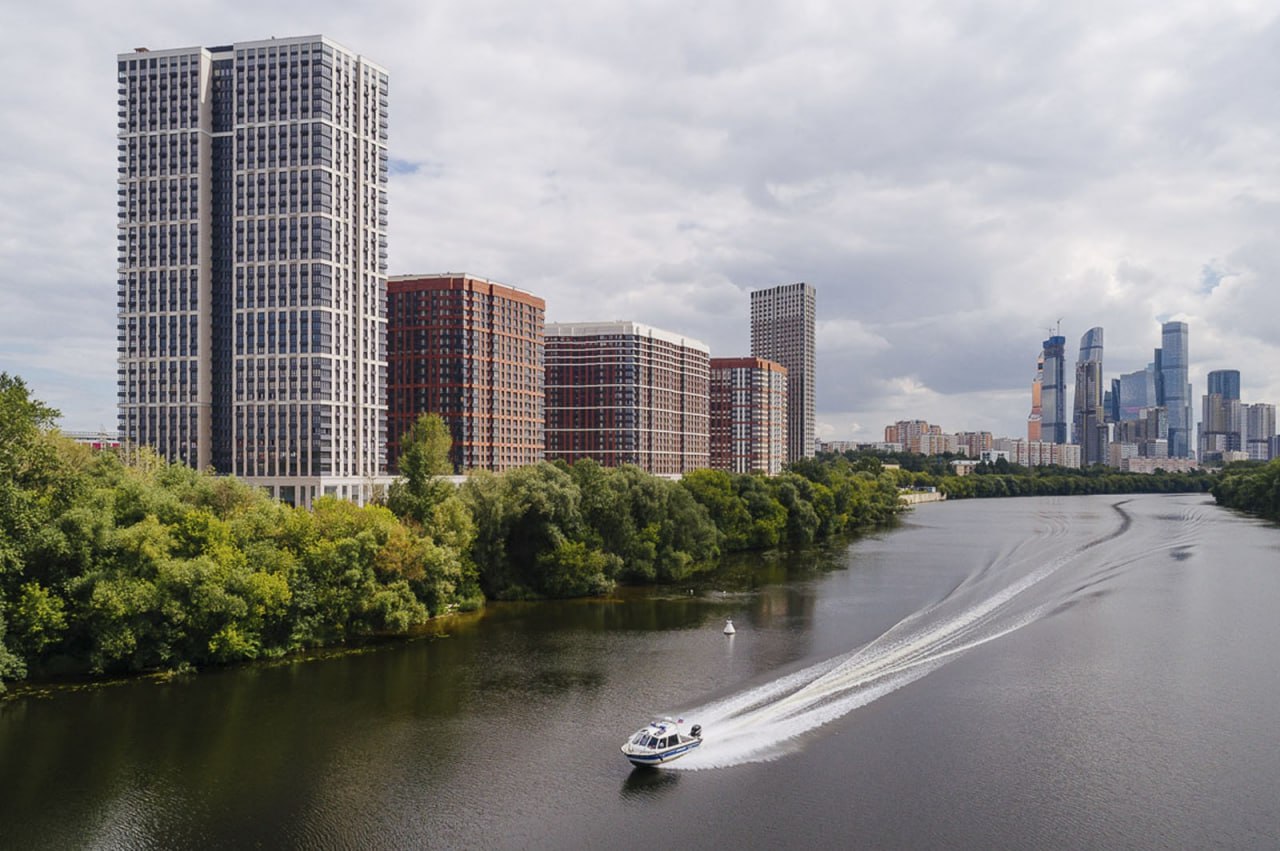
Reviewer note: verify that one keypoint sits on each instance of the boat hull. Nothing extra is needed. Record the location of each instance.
(648, 757)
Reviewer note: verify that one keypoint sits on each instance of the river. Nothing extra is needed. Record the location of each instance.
(1082, 672)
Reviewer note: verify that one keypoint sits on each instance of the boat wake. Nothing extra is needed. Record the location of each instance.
(1015, 589)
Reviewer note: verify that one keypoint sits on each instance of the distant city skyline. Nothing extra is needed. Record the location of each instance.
(993, 174)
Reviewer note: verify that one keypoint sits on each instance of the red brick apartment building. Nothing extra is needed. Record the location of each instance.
(748, 415)
(626, 393)
(470, 350)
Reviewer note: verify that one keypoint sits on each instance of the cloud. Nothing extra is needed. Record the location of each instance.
(952, 179)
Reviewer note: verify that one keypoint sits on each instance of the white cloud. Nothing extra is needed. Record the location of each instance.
(952, 179)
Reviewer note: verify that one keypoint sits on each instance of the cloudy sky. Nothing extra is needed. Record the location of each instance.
(952, 177)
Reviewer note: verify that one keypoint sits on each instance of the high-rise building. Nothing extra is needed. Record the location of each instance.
(626, 393)
(748, 415)
(471, 351)
(1089, 426)
(974, 443)
(252, 188)
(1134, 391)
(1224, 383)
(1221, 427)
(1036, 417)
(1260, 431)
(1053, 391)
(1175, 390)
(782, 330)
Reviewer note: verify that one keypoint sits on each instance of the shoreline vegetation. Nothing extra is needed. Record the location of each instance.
(121, 563)
(1253, 488)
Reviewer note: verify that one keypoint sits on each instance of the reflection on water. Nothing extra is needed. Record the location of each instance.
(647, 782)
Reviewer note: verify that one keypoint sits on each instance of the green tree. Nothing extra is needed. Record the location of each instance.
(424, 458)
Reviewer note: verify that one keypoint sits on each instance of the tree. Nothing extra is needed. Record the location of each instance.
(424, 458)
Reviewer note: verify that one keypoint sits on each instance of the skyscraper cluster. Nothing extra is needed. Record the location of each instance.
(259, 336)
(1147, 413)
(1138, 422)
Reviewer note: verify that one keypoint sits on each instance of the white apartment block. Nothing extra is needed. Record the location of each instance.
(252, 232)
(782, 330)
(1038, 453)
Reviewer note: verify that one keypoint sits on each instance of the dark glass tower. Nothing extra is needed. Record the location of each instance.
(1176, 390)
(1053, 391)
(1225, 383)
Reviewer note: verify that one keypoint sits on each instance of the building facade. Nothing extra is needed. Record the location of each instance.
(1174, 391)
(1037, 453)
(252, 194)
(1089, 421)
(1134, 391)
(1260, 431)
(748, 415)
(1053, 391)
(1036, 418)
(626, 393)
(783, 331)
(1224, 383)
(1222, 427)
(470, 350)
(974, 443)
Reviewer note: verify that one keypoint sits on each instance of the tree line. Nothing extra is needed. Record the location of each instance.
(121, 562)
(1251, 487)
(1003, 478)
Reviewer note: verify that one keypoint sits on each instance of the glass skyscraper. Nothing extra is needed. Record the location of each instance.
(1089, 427)
(1174, 387)
(1225, 383)
(252, 187)
(1053, 391)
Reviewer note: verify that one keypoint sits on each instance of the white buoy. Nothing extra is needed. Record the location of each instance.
(728, 626)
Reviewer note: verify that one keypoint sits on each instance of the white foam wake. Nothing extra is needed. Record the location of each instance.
(767, 721)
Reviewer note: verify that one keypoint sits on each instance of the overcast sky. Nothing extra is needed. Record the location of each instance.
(952, 177)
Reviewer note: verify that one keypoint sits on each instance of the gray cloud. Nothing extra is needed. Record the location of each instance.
(951, 179)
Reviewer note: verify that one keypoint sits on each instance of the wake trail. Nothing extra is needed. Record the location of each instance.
(766, 721)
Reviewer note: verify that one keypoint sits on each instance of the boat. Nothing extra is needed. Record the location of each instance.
(728, 626)
(661, 741)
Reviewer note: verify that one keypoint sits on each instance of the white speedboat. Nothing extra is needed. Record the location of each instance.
(661, 742)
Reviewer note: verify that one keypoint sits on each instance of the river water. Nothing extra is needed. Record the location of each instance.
(1084, 672)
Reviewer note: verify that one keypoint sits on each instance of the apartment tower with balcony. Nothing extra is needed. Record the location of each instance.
(783, 331)
(470, 350)
(252, 195)
(748, 415)
(627, 393)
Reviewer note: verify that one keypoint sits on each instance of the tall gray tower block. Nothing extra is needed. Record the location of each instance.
(782, 330)
(252, 194)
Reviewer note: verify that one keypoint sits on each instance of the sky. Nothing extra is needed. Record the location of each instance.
(954, 178)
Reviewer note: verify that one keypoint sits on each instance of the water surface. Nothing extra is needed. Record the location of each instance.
(1050, 672)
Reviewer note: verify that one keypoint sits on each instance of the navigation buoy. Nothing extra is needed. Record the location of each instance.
(728, 626)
